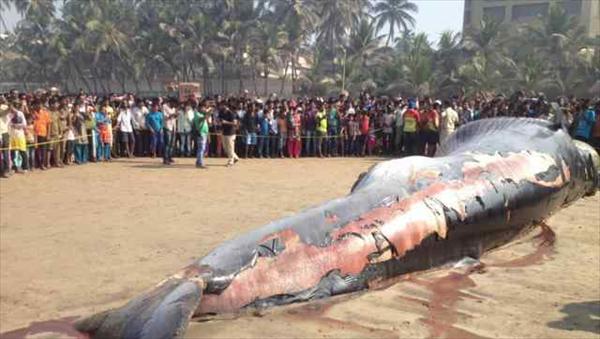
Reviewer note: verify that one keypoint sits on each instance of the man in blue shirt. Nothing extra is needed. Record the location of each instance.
(586, 122)
(154, 122)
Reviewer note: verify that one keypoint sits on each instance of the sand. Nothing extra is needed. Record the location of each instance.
(79, 240)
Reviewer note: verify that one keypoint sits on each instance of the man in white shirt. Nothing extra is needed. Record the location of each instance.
(399, 113)
(125, 125)
(170, 119)
(449, 120)
(184, 129)
(140, 131)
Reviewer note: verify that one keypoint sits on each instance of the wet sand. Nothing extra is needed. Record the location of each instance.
(82, 239)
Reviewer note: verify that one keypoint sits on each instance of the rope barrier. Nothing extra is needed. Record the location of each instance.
(337, 136)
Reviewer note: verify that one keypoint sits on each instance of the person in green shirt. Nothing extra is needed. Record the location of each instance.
(200, 131)
(333, 123)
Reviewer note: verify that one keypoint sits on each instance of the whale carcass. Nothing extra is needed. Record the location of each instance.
(491, 180)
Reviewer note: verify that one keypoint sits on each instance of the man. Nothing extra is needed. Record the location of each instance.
(321, 123)
(250, 120)
(154, 122)
(585, 124)
(125, 126)
(140, 132)
(184, 128)
(229, 121)
(56, 133)
(200, 123)
(411, 127)
(431, 125)
(264, 123)
(449, 120)
(399, 110)
(170, 118)
(309, 125)
(41, 126)
(388, 130)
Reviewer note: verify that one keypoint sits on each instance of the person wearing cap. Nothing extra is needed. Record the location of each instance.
(411, 128)
(55, 133)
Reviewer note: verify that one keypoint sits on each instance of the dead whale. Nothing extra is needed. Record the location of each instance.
(490, 181)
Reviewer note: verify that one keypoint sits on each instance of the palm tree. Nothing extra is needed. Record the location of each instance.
(448, 58)
(396, 14)
(267, 40)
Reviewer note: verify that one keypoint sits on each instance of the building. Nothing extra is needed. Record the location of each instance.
(519, 11)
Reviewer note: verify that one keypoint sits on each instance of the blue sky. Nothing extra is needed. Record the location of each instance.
(434, 17)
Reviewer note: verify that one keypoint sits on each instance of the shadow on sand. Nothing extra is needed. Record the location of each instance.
(583, 316)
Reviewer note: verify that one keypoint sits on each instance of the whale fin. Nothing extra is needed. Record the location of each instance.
(163, 312)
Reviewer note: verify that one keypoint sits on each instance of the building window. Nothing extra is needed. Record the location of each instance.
(527, 12)
(497, 13)
(572, 7)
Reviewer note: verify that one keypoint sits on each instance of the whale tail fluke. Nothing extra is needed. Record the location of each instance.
(163, 312)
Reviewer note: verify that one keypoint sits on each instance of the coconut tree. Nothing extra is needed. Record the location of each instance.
(395, 14)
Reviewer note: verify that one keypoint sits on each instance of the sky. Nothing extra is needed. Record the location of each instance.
(437, 16)
(434, 17)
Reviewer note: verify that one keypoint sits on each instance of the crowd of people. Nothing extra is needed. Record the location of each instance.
(46, 129)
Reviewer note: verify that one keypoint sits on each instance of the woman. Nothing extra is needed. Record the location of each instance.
(18, 142)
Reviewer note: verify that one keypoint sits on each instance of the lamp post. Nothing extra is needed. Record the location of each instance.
(344, 71)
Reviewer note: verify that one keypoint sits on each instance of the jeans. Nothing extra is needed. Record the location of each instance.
(282, 141)
(200, 149)
(263, 146)
(310, 143)
(168, 145)
(81, 153)
(31, 156)
(156, 142)
(321, 140)
(185, 143)
(24, 163)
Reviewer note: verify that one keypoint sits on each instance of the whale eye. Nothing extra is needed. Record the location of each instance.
(270, 248)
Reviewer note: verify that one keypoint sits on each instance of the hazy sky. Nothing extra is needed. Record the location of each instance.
(434, 17)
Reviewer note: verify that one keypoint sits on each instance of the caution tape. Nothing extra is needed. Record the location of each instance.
(44, 143)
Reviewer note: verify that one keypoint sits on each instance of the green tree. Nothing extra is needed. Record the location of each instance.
(395, 14)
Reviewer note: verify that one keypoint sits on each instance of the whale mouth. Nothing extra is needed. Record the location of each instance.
(592, 160)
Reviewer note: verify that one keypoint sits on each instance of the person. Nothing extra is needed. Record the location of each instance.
(199, 128)
(333, 124)
(184, 128)
(154, 123)
(411, 127)
(230, 122)
(309, 126)
(140, 132)
(388, 130)
(70, 139)
(18, 142)
(399, 110)
(250, 122)
(103, 135)
(55, 133)
(353, 135)
(449, 120)
(81, 135)
(431, 125)
(585, 124)
(263, 138)
(125, 126)
(294, 142)
(365, 122)
(282, 127)
(41, 126)
(321, 121)
(273, 130)
(4, 141)
(170, 119)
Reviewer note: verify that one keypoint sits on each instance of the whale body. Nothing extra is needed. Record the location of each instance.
(490, 181)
